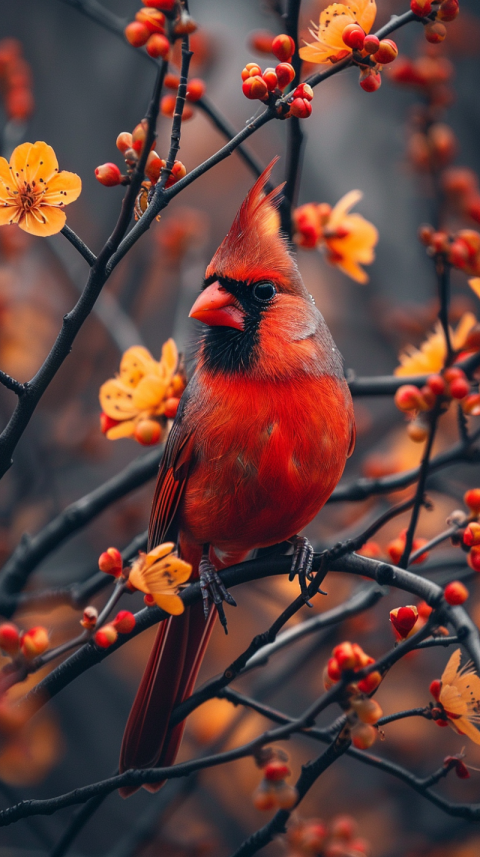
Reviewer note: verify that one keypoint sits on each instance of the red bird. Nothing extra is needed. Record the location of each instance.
(260, 441)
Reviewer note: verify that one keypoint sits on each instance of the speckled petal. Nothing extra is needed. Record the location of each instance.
(63, 188)
(41, 164)
(47, 220)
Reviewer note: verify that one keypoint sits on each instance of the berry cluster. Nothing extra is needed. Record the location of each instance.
(124, 623)
(460, 249)
(158, 25)
(468, 537)
(394, 549)
(315, 838)
(451, 383)
(23, 644)
(15, 81)
(273, 792)
(436, 13)
(195, 91)
(370, 53)
(258, 85)
(362, 712)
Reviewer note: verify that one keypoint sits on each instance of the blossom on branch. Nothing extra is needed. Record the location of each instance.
(33, 192)
(328, 45)
(458, 696)
(159, 574)
(431, 355)
(138, 402)
(348, 239)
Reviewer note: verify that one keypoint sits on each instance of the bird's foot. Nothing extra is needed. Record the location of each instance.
(302, 562)
(212, 589)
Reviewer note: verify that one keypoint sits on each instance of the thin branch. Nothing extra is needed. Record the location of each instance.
(33, 549)
(12, 384)
(79, 245)
(387, 385)
(437, 540)
(228, 131)
(295, 136)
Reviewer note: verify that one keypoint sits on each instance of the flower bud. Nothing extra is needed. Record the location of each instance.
(108, 174)
(149, 600)
(304, 90)
(167, 105)
(178, 172)
(124, 141)
(471, 535)
(90, 616)
(195, 89)
(264, 797)
(9, 638)
(172, 81)
(301, 108)
(370, 80)
(387, 52)
(283, 47)
(443, 143)
(261, 41)
(417, 431)
(363, 736)
(110, 562)
(345, 656)
(422, 8)
(147, 432)
(427, 398)
(435, 32)
(473, 558)
(448, 11)
(164, 5)
(354, 37)
(404, 619)
(395, 550)
(106, 636)
(407, 398)
(435, 689)
(152, 19)
(124, 622)
(416, 545)
(461, 769)
(252, 69)
(472, 208)
(171, 408)
(436, 384)
(285, 74)
(367, 710)
(333, 670)
(371, 43)
(270, 78)
(455, 592)
(472, 341)
(154, 166)
(34, 642)
(137, 34)
(371, 549)
(254, 88)
(459, 388)
(158, 46)
(370, 682)
(185, 25)
(459, 181)
(276, 770)
(286, 796)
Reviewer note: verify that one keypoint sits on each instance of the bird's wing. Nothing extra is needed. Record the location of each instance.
(171, 479)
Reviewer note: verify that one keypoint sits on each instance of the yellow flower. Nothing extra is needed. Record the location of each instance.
(160, 573)
(350, 238)
(141, 391)
(460, 697)
(329, 45)
(33, 192)
(430, 357)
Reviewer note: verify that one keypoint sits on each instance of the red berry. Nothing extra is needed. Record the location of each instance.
(9, 638)
(137, 34)
(404, 619)
(387, 52)
(276, 770)
(459, 388)
(435, 689)
(171, 407)
(333, 670)
(448, 11)
(147, 432)
(255, 87)
(158, 46)
(354, 37)
(455, 592)
(283, 47)
(261, 41)
(251, 70)
(473, 558)
(124, 622)
(436, 384)
(106, 636)
(124, 141)
(471, 535)
(110, 562)
(270, 78)
(304, 90)
(407, 398)
(421, 7)
(371, 43)
(301, 108)
(370, 80)
(153, 20)
(285, 74)
(195, 89)
(435, 32)
(471, 499)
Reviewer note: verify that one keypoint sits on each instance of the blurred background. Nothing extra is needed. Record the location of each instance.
(88, 86)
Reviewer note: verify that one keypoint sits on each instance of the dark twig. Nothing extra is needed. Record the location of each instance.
(12, 384)
(295, 136)
(80, 819)
(79, 245)
(228, 131)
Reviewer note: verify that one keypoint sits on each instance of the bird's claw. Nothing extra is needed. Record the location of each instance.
(302, 562)
(213, 589)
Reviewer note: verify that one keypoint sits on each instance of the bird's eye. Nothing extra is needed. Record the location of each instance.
(264, 292)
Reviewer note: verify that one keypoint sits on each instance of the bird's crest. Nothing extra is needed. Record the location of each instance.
(254, 247)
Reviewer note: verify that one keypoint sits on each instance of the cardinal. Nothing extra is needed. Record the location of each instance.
(260, 440)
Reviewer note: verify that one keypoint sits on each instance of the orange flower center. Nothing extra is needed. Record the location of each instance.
(29, 197)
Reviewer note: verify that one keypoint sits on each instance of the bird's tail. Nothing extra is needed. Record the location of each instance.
(169, 678)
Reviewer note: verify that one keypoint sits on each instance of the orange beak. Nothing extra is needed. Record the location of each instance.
(218, 308)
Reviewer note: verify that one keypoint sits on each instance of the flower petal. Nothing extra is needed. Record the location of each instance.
(41, 164)
(364, 12)
(451, 670)
(149, 393)
(124, 429)
(159, 552)
(8, 214)
(464, 727)
(62, 188)
(170, 603)
(44, 220)
(452, 700)
(342, 207)
(19, 159)
(116, 400)
(475, 285)
(169, 358)
(135, 364)
(6, 177)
